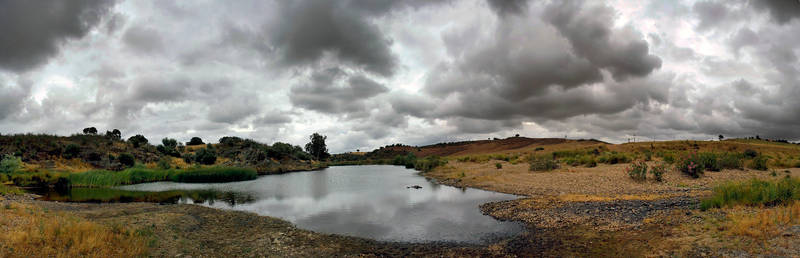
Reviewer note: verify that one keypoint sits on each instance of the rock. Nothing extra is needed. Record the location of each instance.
(792, 231)
(414, 186)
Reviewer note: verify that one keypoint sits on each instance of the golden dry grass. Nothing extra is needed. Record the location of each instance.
(29, 231)
(765, 222)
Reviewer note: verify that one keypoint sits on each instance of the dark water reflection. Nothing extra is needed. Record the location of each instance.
(364, 201)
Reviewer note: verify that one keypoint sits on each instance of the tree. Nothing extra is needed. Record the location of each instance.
(89, 130)
(721, 137)
(168, 147)
(71, 151)
(317, 147)
(114, 134)
(195, 141)
(516, 135)
(169, 143)
(137, 140)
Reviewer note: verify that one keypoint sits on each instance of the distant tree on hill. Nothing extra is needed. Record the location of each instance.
(114, 134)
(195, 141)
(317, 147)
(89, 130)
(168, 147)
(516, 135)
(137, 140)
(721, 137)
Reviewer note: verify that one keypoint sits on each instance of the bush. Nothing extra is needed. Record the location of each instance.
(71, 151)
(691, 165)
(498, 165)
(759, 163)
(188, 158)
(731, 161)
(750, 153)
(638, 170)
(164, 163)
(126, 159)
(709, 161)
(754, 192)
(9, 164)
(408, 160)
(541, 163)
(429, 163)
(658, 171)
(613, 158)
(205, 156)
(669, 158)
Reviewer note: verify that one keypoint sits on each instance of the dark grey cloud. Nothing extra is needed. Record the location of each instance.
(273, 117)
(782, 11)
(32, 31)
(12, 98)
(504, 7)
(589, 30)
(310, 29)
(335, 91)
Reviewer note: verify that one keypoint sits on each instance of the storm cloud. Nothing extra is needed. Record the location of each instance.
(32, 31)
(368, 73)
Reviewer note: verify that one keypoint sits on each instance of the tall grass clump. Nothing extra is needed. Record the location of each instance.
(731, 161)
(105, 178)
(759, 163)
(214, 175)
(754, 192)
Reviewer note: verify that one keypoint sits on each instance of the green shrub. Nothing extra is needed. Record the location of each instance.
(205, 156)
(9, 164)
(669, 158)
(214, 175)
(498, 165)
(637, 170)
(538, 149)
(613, 158)
(126, 159)
(759, 163)
(407, 160)
(164, 162)
(542, 163)
(658, 171)
(691, 165)
(137, 140)
(731, 161)
(71, 151)
(753, 192)
(709, 161)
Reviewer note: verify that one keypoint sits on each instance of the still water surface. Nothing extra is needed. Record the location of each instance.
(364, 201)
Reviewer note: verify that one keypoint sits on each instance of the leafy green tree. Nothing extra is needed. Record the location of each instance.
(9, 164)
(89, 130)
(317, 147)
(114, 134)
(137, 140)
(280, 150)
(195, 141)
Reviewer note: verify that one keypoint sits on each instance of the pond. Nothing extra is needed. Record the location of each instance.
(364, 201)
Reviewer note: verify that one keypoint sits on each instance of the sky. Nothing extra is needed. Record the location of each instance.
(368, 73)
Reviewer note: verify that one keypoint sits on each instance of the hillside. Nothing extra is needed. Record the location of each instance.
(82, 152)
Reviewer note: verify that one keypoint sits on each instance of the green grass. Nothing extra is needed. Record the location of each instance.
(754, 192)
(105, 178)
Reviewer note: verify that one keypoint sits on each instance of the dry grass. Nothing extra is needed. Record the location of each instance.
(764, 223)
(599, 198)
(29, 231)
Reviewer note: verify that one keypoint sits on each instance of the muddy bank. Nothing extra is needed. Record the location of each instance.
(181, 230)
